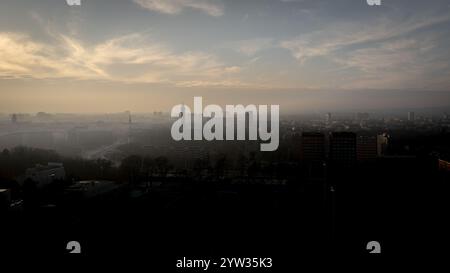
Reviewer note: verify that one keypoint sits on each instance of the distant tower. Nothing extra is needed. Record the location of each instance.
(130, 122)
(411, 116)
(14, 118)
(328, 118)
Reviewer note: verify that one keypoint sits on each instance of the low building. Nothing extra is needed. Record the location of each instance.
(44, 175)
(5, 199)
(444, 165)
(92, 188)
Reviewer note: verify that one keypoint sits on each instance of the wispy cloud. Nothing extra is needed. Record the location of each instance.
(211, 7)
(250, 47)
(342, 35)
(388, 53)
(402, 63)
(130, 58)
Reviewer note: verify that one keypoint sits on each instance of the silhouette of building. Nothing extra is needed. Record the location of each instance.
(130, 123)
(43, 175)
(43, 116)
(20, 118)
(444, 165)
(328, 118)
(343, 148)
(411, 116)
(5, 199)
(92, 188)
(14, 118)
(382, 144)
(312, 146)
(366, 148)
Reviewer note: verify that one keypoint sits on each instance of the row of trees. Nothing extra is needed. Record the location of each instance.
(15, 161)
(136, 168)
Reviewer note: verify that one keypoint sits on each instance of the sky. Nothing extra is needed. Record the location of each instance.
(148, 55)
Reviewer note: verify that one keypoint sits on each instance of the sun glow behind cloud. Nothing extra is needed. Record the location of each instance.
(108, 61)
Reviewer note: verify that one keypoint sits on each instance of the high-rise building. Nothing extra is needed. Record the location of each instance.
(366, 147)
(313, 146)
(411, 116)
(343, 148)
(382, 144)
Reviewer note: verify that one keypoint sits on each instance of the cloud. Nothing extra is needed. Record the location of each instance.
(388, 53)
(132, 58)
(250, 47)
(226, 83)
(342, 35)
(209, 7)
(402, 63)
(24, 58)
